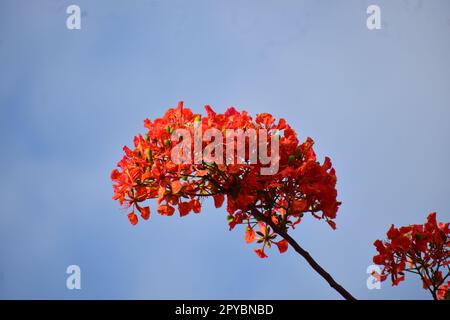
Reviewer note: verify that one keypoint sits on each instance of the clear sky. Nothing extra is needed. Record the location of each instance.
(376, 102)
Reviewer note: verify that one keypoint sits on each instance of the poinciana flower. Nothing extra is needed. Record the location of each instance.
(163, 166)
(301, 185)
(419, 249)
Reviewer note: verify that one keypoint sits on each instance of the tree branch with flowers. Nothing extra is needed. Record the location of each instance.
(421, 249)
(268, 193)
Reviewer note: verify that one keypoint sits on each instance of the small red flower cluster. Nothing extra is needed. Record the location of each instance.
(301, 185)
(420, 249)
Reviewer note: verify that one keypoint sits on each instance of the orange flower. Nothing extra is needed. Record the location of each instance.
(301, 187)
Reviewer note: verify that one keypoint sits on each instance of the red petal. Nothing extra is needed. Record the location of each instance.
(282, 245)
(210, 111)
(260, 253)
(250, 236)
(147, 174)
(184, 208)
(133, 218)
(176, 186)
(218, 200)
(378, 259)
(201, 173)
(166, 210)
(380, 246)
(392, 233)
(299, 205)
(161, 193)
(398, 280)
(115, 174)
(196, 206)
(145, 212)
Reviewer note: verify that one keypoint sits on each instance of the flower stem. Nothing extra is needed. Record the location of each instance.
(305, 254)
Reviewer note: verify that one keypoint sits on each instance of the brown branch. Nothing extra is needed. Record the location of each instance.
(259, 216)
(305, 255)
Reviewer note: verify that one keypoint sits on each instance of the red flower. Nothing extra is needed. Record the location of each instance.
(196, 206)
(176, 186)
(184, 208)
(145, 212)
(302, 186)
(420, 249)
(218, 200)
(133, 218)
(260, 253)
(282, 245)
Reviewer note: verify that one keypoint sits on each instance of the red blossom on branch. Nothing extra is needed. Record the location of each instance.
(419, 249)
(301, 186)
(268, 205)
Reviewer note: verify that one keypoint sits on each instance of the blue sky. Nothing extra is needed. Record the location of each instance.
(376, 102)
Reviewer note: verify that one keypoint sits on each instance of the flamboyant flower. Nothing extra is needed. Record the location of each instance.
(419, 249)
(299, 186)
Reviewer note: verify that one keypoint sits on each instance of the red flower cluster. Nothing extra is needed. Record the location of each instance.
(420, 249)
(443, 292)
(301, 185)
